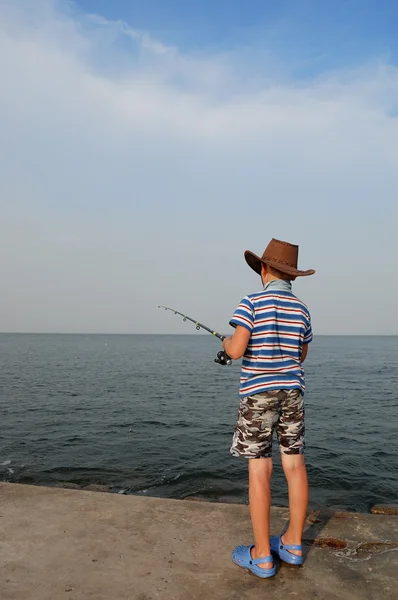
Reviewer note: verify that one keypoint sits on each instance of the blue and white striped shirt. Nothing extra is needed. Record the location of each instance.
(280, 324)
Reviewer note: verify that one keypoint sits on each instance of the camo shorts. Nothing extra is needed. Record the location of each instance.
(260, 415)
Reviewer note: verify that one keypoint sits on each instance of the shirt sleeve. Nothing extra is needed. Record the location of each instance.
(244, 315)
(308, 333)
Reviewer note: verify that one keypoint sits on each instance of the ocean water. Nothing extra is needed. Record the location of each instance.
(154, 415)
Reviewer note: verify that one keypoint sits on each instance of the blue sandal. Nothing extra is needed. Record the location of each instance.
(283, 551)
(242, 557)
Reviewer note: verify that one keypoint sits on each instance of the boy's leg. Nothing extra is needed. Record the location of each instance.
(257, 418)
(260, 471)
(296, 475)
(291, 431)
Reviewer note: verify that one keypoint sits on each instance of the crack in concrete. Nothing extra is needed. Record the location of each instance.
(361, 552)
(365, 551)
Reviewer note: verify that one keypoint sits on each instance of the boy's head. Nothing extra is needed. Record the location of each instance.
(269, 273)
(279, 261)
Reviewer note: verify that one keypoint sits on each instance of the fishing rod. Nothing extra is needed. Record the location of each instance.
(222, 356)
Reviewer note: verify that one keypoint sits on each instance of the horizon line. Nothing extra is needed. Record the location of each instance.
(182, 334)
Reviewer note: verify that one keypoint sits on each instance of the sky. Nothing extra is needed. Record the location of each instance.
(146, 145)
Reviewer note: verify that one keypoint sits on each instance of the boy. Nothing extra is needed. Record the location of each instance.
(273, 330)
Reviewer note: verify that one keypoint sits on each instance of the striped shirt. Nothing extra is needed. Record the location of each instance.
(280, 324)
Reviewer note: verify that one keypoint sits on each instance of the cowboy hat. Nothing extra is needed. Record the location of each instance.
(279, 255)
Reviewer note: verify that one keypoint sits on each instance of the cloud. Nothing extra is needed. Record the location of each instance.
(160, 167)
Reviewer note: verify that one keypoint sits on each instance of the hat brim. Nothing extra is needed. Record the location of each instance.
(255, 263)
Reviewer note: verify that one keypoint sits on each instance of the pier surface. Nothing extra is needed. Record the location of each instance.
(77, 545)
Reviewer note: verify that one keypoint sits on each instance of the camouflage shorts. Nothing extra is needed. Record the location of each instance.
(260, 415)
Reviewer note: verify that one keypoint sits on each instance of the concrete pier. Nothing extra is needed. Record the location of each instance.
(77, 545)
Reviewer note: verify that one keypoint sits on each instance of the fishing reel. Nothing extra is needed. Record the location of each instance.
(223, 358)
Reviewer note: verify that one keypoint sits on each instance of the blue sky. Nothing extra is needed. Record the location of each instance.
(324, 33)
(145, 147)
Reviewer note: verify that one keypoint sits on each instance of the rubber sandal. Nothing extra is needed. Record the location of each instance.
(283, 551)
(242, 557)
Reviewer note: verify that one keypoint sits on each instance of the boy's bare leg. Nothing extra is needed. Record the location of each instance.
(296, 475)
(260, 471)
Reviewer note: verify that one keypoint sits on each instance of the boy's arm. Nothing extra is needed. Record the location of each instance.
(307, 340)
(235, 345)
(304, 352)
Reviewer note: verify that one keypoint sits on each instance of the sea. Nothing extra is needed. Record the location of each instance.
(154, 415)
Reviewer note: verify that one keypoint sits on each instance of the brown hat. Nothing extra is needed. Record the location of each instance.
(280, 255)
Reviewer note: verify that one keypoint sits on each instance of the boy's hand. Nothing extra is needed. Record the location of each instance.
(235, 345)
(229, 337)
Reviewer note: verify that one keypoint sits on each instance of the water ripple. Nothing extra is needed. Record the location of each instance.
(74, 412)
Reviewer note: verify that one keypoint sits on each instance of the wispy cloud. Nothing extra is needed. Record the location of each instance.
(112, 137)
